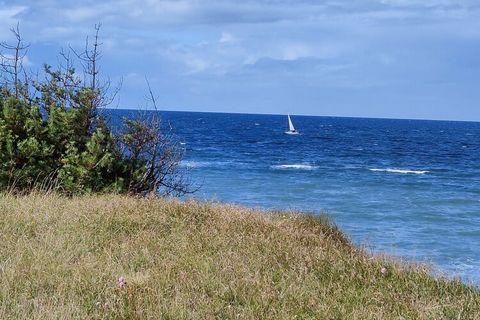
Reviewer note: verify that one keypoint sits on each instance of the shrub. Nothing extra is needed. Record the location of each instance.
(53, 136)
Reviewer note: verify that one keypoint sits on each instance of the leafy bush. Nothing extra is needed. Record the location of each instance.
(53, 135)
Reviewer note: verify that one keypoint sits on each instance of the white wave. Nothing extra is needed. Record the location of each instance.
(294, 166)
(195, 164)
(402, 171)
(207, 164)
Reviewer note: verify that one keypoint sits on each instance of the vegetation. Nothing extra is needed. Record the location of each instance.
(53, 134)
(118, 257)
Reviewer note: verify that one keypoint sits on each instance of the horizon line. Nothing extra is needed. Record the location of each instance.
(291, 114)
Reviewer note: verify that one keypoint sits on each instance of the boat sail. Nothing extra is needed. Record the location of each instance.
(291, 128)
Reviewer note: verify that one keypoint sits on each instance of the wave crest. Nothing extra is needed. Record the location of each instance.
(294, 166)
(402, 171)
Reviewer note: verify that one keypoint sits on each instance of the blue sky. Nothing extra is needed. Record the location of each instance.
(370, 58)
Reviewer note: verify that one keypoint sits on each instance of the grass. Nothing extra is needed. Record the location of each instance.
(60, 258)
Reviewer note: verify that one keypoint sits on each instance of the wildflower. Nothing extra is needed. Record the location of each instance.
(121, 282)
(383, 270)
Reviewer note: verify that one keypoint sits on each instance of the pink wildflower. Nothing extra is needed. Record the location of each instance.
(121, 282)
(383, 270)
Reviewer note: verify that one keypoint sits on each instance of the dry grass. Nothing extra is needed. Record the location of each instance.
(60, 258)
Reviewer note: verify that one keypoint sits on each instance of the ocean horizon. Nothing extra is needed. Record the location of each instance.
(168, 110)
(408, 188)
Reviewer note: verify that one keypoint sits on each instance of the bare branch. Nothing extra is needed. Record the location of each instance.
(152, 98)
(12, 64)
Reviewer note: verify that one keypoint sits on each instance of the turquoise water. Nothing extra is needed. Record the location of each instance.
(409, 188)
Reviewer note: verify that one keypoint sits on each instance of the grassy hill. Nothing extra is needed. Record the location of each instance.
(62, 258)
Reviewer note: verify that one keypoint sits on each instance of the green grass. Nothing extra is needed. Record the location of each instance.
(60, 258)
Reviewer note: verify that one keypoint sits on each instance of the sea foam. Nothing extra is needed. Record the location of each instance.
(194, 164)
(294, 166)
(402, 171)
(207, 164)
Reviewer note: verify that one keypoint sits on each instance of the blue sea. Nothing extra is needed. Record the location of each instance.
(408, 188)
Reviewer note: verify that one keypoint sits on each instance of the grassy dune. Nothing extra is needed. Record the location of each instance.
(61, 258)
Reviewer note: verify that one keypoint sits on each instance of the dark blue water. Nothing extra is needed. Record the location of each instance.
(405, 187)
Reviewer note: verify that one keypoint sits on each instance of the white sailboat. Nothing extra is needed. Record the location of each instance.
(291, 128)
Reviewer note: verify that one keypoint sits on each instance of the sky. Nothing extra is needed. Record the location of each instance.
(415, 59)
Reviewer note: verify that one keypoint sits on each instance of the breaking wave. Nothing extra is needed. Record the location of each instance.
(402, 171)
(294, 166)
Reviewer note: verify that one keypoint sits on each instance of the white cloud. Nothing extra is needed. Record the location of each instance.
(227, 38)
(80, 14)
(296, 51)
(9, 59)
(130, 15)
(423, 3)
(196, 64)
(9, 13)
(9, 16)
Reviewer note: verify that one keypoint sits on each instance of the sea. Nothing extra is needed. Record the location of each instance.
(405, 188)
